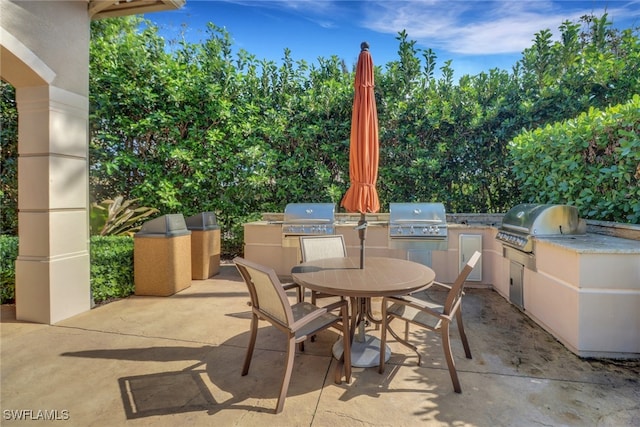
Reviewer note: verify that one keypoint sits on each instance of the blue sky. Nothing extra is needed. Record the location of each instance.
(476, 35)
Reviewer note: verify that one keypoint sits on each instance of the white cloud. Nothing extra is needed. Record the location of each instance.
(477, 27)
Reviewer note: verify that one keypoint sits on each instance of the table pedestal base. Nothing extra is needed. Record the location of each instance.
(364, 354)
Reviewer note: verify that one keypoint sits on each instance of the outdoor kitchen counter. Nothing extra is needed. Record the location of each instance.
(585, 291)
(594, 244)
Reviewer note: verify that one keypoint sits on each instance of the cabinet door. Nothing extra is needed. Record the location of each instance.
(468, 244)
(516, 282)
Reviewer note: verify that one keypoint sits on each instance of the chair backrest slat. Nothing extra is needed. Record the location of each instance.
(321, 247)
(455, 293)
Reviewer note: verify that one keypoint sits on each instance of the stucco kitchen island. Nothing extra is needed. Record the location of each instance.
(264, 243)
(585, 290)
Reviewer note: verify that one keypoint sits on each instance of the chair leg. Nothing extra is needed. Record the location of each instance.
(383, 336)
(291, 352)
(354, 316)
(448, 354)
(313, 297)
(252, 344)
(313, 301)
(404, 342)
(346, 343)
(463, 335)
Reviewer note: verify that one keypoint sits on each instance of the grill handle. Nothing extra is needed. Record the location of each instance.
(306, 220)
(524, 230)
(407, 221)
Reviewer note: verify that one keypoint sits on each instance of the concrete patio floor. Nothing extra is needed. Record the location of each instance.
(173, 361)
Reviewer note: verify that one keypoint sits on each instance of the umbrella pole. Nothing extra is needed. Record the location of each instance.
(362, 233)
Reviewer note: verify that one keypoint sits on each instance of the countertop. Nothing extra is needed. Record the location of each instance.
(594, 243)
(374, 223)
(584, 243)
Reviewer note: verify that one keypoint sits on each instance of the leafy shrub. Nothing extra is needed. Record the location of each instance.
(111, 267)
(8, 160)
(118, 217)
(8, 255)
(592, 162)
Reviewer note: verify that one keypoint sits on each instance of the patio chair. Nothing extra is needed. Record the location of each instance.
(431, 316)
(319, 247)
(299, 321)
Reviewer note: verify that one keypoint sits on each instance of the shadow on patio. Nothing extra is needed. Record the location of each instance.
(177, 361)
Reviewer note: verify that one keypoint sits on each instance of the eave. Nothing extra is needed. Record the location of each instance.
(99, 9)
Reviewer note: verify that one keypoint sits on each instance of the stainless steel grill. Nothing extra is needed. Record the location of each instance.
(526, 221)
(519, 227)
(308, 219)
(421, 221)
(418, 228)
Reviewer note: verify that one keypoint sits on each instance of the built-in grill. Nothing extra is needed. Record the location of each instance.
(526, 221)
(425, 221)
(308, 218)
(520, 226)
(419, 228)
(304, 219)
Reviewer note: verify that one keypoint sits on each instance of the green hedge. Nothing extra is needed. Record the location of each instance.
(111, 267)
(592, 162)
(8, 255)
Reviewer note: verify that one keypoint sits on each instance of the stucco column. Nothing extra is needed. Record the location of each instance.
(52, 269)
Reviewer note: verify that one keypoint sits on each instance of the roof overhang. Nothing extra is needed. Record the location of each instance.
(99, 9)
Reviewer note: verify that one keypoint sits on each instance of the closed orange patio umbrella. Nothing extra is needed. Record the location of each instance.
(362, 195)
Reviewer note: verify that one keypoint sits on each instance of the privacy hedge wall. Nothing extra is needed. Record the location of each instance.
(592, 162)
(111, 267)
(192, 127)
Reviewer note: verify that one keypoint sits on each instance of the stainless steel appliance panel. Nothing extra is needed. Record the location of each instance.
(308, 218)
(427, 221)
(418, 228)
(525, 221)
(516, 284)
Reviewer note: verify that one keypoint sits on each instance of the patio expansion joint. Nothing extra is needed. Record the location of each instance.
(604, 382)
(530, 377)
(125, 334)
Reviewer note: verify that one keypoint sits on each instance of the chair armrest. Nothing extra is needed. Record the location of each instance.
(424, 288)
(418, 304)
(429, 286)
(319, 311)
(336, 305)
(442, 285)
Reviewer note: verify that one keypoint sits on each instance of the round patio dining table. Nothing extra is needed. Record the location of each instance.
(380, 277)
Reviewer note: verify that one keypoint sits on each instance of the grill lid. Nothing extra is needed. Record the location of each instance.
(433, 213)
(542, 220)
(417, 220)
(522, 222)
(309, 218)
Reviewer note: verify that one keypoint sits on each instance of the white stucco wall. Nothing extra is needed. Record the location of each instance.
(57, 32)
(45, 56)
